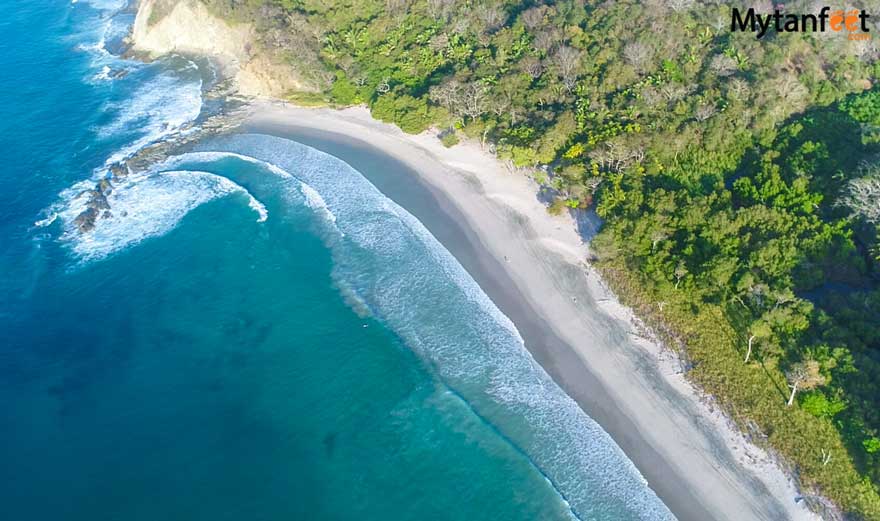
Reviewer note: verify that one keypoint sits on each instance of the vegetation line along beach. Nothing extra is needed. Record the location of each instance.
(531, 264)
(736, 179)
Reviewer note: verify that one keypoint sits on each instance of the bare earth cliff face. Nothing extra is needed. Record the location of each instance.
(187, 27)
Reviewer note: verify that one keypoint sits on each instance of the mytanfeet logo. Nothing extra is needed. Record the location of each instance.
(852, 22)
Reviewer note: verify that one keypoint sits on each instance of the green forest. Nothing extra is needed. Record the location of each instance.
(739, 178)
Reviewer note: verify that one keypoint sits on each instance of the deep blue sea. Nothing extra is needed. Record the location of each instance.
(254, 332)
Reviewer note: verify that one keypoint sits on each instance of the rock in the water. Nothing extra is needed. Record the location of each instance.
(105, 186)
(98, 201)
(106, 214)
(118, 171)
(86, 221)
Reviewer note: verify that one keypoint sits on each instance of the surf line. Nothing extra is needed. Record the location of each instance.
(492, 427)
(277, 170)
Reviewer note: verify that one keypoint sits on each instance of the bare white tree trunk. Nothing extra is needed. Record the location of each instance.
(863, 194)
(749, 352)
(793, 391)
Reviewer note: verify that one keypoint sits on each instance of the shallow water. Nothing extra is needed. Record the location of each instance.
(256, 332)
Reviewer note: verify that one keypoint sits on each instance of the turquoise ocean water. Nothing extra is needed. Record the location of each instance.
(256, 333)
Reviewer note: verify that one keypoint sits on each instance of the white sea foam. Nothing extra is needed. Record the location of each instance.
(404, 276)
(207, 157)
(389, 264)
(164, 105)
(103, 74)
(42, 223)
(316, 202)
(94, 40)
(161, 108)
(103, 5)
(143, 206)
(313, 199)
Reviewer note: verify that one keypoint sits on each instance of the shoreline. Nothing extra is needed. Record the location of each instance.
(532, 265)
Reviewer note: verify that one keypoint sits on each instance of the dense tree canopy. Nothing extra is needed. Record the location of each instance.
(739, 178)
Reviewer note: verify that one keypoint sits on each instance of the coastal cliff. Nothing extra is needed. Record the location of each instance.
(187, 27)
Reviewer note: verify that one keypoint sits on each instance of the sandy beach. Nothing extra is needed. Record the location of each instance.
(532, 266)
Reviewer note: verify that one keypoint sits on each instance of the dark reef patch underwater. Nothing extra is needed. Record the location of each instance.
(255, 332)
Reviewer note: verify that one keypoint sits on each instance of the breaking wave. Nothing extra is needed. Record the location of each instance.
(104, 40)
(387, 264)
(142, 206)
(159, 100)
(162, 108)
(312, 199)
(401, 274)
(103, 5)
(153, 103)
(383, 257)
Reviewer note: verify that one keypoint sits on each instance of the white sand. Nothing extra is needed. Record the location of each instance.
(692, 456)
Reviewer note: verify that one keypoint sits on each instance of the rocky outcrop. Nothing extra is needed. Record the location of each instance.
(97, 205)
(86, 220)
(186, 26)
(118, 171)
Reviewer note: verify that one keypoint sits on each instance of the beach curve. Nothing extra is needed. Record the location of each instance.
(531, 265)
